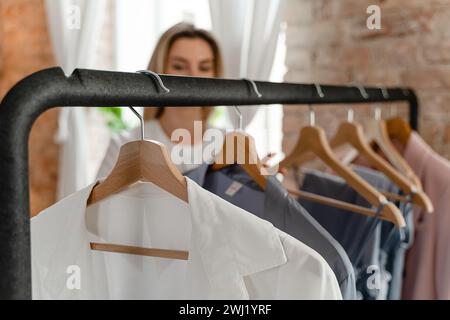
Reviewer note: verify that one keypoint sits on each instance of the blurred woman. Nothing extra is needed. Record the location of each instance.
(185, 51)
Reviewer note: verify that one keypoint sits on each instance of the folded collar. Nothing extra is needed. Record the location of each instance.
(275, 194)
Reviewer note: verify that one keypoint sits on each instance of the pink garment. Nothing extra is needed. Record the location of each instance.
(427, 266)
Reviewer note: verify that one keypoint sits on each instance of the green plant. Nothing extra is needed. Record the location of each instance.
(114, 121)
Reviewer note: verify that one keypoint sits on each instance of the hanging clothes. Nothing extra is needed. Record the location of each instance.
(428, 261)
(276, 206)
(349, 229)
(232, 253)
(384, 248)
(364, 238)
(394, 243)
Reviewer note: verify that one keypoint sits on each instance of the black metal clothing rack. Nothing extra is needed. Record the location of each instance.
(50, 88)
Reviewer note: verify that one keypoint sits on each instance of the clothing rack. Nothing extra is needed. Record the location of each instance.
(50, 88)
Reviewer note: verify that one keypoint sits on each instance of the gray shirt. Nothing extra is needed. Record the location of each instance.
(384, 249)
(276, 206)
(351, 230)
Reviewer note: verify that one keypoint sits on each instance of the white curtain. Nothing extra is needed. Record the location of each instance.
(74, 27)
(248, 33)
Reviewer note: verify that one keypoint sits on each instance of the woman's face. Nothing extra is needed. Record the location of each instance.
(188, 57)
(191, 57)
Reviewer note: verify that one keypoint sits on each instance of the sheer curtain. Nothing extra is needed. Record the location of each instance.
(74, 27)
(248, 32)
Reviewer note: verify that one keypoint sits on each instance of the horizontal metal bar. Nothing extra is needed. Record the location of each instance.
(50, 88)
(106, 88)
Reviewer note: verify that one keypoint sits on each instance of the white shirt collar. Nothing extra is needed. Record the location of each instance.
(231, 242)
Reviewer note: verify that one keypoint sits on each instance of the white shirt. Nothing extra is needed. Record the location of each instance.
(153, 131)
(232, 253)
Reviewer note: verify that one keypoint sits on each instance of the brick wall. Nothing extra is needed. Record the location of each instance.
(328, 42)
(24, 49)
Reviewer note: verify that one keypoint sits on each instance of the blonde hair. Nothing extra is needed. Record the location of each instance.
(158, 61)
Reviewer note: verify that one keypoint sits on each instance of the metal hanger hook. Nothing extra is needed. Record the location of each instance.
(363, 91)
(312, 113)
(384, 92)
(319, 90)
(239, 114)
(312, 116)
(350, 115)
(141, 120)
(254, 86)
(156, 77)
(377, 113)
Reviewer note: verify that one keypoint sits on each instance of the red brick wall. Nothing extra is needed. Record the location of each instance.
(24, 49)
(328, 42)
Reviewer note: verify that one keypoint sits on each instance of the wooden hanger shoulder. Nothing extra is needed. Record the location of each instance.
(352, 133)
(377, 131)
(313, 139)
(142, 161)
(240, 148)
(399, 129)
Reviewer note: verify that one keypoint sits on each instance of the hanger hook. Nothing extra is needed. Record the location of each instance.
(254, 86)
(386, 96)
(141, 121)
(312, 116)
(156, 77)
(312, 113)
(377, 113)
(384, 92)
(239, 113)
(350, 115)
(319, 90)
(363, 91)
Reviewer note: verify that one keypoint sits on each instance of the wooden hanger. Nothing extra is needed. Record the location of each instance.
(308, 156)
(352, 133)
(248, 158)
(146, 161)
(339, 204)
(239, 148)
(313, 139)
(377, 132)
(399, 129)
